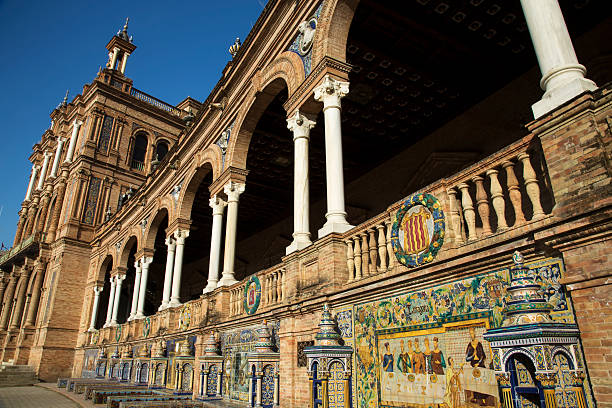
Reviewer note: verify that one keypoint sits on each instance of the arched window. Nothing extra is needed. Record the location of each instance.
(139, 152)
(161, 150)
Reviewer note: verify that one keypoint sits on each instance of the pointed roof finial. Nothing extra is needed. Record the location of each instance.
(123, 34)
(66, 97)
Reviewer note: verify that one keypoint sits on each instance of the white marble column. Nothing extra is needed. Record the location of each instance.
(233, 191)
(136, 290)
(94, 310)
(119, 279)
(175, 299)
(56, 159)
(562, 75)
(218, 206)
(32, 180)
(145, 263)
(73, 139)
(300, 125)
(330, 92)
(124, 62)
(111, 302)
(171, 244)
(43, 171)
(114, 58)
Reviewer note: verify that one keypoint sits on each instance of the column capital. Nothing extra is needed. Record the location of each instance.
(98, 289)
(233, 191)
(145, 261)
(180, 236)
(300, 125)
(77, 123)
(217, 204)
(330, 92)
(170, 242)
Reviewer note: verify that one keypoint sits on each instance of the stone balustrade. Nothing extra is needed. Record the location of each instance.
(494, 195)
(236, 294)
(497, 194)
(272, 286)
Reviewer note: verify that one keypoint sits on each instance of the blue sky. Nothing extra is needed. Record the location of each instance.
(49, 47)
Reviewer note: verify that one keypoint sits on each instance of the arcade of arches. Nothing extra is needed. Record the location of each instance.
(401, 203)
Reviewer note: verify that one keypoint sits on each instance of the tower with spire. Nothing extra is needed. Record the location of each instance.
(120, 47)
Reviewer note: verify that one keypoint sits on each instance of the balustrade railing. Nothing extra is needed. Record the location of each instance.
(499, 193)
(137, 165)
(272, 286)
(151, 100)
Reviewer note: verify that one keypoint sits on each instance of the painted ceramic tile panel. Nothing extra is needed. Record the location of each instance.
(425, 347)
(235, 345)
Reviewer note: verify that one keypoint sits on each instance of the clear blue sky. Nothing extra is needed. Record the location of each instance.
(48, 47)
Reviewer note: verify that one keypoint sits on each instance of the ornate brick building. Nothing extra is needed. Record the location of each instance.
(405, 137)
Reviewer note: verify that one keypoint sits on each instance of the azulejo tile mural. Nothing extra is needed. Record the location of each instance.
(235, 345)
(426, 347)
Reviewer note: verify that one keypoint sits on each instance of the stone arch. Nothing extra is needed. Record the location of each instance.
(256, 104)
(188, 193)
(152, 229)
(124, 253)
(333, 29)
(108, 259)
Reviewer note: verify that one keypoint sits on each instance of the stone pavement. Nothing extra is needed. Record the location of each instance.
(33, 397)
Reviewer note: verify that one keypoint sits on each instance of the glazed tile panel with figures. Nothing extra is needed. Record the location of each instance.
(426, 347)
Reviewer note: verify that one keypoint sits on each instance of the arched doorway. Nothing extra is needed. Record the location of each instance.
(105, 273)
(128, 258)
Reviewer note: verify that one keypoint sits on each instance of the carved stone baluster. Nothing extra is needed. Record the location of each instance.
(231, 303)
(373, 251)
(350, 262)
(283, 272)
(514, 192)
(532, 187)
(358, 274)
(278, 276)
(365, 254)
(389, 225)
(483, 205)
(270, 289)
(468, 211)
(382, 247)
(274, 291)
(455, 216)
(499, 204)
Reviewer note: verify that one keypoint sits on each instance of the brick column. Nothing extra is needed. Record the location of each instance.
(20, 225)
(59, 201)
(7, 303)
(20, 299)
(39, 268)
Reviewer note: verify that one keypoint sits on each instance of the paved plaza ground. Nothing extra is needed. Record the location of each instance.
(33, 397)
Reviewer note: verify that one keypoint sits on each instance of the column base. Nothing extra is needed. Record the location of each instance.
(227, 280)
(92, 330)
(162, 307)
(173, 303)
(297, 245)
(339, 226)
(212, 285)
(556, 97)
(139, 316)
